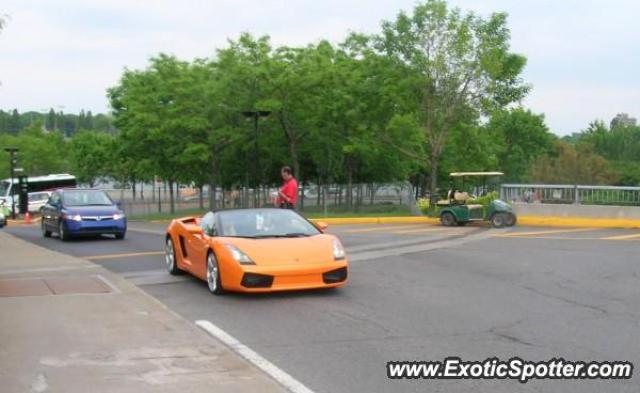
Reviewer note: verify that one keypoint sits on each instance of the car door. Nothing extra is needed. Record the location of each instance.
(50, 212)
(199, 243)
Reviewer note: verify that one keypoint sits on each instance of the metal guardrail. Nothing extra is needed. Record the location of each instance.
(571, 194)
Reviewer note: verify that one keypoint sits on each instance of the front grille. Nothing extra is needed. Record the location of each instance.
(98, 229)
(97, 218)
(335, 276)
(254, 280)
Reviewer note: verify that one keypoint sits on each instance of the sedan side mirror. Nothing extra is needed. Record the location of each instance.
(322, 226)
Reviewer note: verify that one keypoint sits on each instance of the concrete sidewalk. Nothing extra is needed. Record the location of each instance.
(67, 325)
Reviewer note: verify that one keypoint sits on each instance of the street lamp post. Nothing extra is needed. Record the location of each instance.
(12, 164)
(256, 164)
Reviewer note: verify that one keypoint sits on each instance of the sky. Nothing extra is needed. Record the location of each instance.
(583, 55)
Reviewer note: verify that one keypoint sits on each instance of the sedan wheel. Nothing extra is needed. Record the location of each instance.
(45, 232)
(213, 275)
(64, 235)
(170, 257)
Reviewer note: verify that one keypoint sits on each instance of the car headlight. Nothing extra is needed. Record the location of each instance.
(239, 256)
(118, 216)
(74, 217)
(338, 250)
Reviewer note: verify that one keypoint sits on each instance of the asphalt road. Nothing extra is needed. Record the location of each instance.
(420, 293)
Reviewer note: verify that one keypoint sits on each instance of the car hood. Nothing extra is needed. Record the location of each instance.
(92, 210)
(286, 251)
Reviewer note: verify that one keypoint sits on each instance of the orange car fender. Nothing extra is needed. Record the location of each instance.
(230, 270)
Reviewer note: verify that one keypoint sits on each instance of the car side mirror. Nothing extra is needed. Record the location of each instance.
(119, 204)
(322, 226)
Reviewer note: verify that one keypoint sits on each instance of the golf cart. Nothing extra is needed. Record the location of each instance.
(460, 207)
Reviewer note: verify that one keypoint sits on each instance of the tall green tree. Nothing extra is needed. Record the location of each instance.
(461, 66)
(519, 137)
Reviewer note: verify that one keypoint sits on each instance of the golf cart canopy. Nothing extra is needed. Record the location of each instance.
(461, 174)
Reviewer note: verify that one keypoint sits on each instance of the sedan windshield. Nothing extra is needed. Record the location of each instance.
(86, 198)
(264, 223)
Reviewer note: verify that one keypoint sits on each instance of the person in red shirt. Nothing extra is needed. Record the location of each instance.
(288, 193)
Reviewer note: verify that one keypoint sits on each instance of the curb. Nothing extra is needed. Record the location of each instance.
(579, 222)
(377, 220)
(576, 222)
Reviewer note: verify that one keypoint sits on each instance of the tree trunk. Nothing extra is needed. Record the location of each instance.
(172, 202)
(133, 189)
(200, 198)
(372, 189)
(212, 185)
(434, 177)
(349, 187)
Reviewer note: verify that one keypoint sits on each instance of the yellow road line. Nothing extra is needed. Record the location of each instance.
(381, 228)
(622, 237)
(132, 254)
(421, 230)
(548, 237)
(575, 222)
(526, 234)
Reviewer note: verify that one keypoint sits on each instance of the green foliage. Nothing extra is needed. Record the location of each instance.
(569, 164)
(519, 137)
(484, 200)
(39, 153)
(424, 205)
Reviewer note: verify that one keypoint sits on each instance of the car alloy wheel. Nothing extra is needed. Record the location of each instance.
(170, 256)
(62, 232)
(45, 232)
(213, 275)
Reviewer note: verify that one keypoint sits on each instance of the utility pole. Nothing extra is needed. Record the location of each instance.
(12, 164)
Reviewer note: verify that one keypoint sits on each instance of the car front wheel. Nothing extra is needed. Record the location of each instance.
(45, 232)
(213, 275)
(62, 232)
(170, 257)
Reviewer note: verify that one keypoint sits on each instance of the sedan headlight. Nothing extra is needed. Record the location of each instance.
(338, 250)
(74, 217)
(118, 216)
(239, 256)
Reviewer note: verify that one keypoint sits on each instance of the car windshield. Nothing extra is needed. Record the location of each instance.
(86, 198)
(264, 223)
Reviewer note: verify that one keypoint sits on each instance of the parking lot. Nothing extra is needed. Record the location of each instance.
(419, 292)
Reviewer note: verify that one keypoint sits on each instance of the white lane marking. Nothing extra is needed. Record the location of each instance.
(286, 380)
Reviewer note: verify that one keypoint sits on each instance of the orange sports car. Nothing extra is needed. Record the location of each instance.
(255, 250)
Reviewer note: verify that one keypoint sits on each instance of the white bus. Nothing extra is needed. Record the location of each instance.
(35, 184)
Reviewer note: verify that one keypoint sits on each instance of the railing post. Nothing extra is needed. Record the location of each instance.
(576, 195)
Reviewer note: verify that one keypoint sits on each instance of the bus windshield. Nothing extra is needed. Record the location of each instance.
(4, 188)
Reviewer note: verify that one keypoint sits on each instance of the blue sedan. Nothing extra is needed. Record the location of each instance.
(81, 212)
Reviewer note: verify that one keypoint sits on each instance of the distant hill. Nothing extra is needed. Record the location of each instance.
(12, 121)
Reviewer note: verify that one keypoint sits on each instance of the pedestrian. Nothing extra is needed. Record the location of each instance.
(288, 193)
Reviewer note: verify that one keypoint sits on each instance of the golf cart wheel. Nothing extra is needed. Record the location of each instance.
(447, 219)
(510, 219)
(498, 220)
